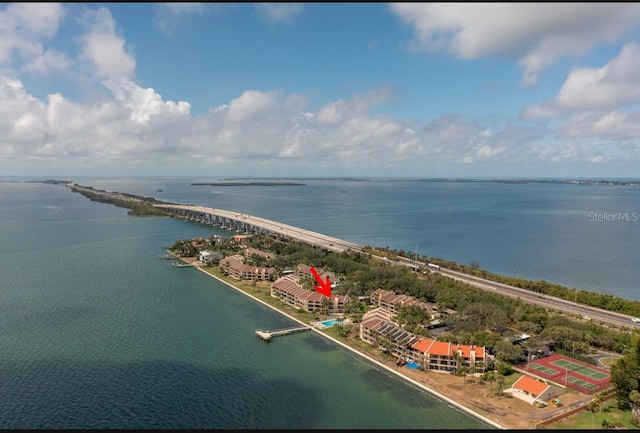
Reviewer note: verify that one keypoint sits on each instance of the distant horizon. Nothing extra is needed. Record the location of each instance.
(346, 178)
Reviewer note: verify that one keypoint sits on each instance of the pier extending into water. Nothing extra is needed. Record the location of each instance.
(268, 335)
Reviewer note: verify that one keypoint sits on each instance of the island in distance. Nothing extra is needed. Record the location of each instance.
(248, 183)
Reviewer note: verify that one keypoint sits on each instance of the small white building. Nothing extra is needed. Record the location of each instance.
(529, 389)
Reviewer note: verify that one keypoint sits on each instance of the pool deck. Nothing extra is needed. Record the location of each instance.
(321, 323)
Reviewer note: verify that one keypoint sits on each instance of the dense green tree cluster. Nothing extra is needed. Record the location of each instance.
(625, 377)
(594, 299)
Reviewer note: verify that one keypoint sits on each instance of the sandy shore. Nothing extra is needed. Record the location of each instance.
(469, 396)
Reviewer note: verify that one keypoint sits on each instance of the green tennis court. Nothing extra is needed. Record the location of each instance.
(569, 372)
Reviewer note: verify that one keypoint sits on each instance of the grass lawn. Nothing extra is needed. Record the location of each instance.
(586, 420)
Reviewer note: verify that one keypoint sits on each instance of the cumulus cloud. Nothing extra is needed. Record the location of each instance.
(536, 34)
(144, 104)
(610, 125)
(49, 61)
(102, 47)
(357, 105)
(592, 99)
(270, 129)
(613, 85)
(251, 105)
(24, 27)
(22, 128)
(280, 12)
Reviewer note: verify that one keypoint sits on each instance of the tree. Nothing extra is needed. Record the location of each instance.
(500, 380)
(491, 377)
(463, 370)
(602, 395)
(507, 352)
(625, 373)
(324, 302)
(592, 407)
(634, 400)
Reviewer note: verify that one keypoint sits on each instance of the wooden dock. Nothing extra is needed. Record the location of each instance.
(268, 335)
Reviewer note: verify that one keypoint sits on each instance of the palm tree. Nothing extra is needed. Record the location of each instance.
(491, 378)
(602, 395)
(634, 399)
(593, 407)
(500, 379)
(324, 302)
(464, 369)
(459, 360)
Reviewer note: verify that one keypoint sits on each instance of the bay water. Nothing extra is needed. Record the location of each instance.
(97, 331)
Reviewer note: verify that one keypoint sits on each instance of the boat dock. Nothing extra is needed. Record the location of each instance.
(181, 265)
(267, 335)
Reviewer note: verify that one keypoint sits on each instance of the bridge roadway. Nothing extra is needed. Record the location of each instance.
(598, 315)
(252, 223)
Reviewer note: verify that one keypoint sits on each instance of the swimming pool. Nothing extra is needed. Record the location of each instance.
(330, 323)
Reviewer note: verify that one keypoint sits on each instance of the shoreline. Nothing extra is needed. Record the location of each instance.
(368, 358)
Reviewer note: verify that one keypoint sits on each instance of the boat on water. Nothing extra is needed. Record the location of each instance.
(181, 265)
(166, 256)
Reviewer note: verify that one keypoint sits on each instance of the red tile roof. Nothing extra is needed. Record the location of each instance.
(531, 385)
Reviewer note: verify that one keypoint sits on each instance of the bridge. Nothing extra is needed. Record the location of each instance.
(250, 224)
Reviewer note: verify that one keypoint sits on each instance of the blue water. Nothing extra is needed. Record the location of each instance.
(97, 331)
(413, 365)
(330, 323)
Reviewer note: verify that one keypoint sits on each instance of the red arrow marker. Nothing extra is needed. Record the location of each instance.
(325, 287)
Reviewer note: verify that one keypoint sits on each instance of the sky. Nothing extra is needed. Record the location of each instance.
(429, 90)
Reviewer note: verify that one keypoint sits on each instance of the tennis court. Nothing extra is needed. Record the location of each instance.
(569, 372)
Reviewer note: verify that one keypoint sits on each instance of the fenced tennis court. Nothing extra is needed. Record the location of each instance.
(570, 373)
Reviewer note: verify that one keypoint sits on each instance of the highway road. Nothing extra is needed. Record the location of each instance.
(583, 312)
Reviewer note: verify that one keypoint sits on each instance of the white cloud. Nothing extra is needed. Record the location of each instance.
(23, 29)
(610, 125)
(144, 104)
(613, 85)
(50, 60)
(536, 34)
(357, 105)
(21, 119)
(250, 105)
(269, 129)
(280, 12)
(103, 48)
(592, 99)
